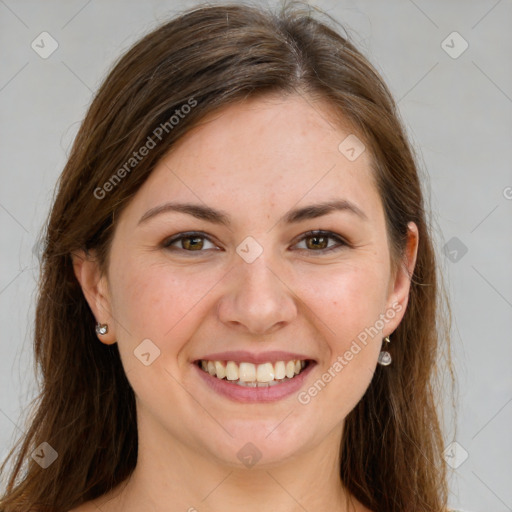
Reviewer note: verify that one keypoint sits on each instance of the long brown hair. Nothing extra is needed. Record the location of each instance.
(210, 57)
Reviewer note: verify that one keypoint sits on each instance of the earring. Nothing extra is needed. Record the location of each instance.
(101, 329)
(385, 356)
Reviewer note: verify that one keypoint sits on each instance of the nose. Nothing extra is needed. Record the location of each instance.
(257, 299)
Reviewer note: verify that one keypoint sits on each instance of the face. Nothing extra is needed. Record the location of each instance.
(253, 271)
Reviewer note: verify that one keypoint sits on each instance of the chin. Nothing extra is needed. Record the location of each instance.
(262, 444)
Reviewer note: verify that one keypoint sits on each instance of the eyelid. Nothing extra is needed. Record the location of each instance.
(341, 242)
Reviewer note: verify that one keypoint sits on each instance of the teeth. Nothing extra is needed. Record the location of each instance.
(220, 369)
(265, 372)
(280, 369)
(254, 375)
(232, 371)
(247, 372)
(290, 369)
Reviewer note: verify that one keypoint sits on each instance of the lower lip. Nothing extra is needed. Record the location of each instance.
(246, 394)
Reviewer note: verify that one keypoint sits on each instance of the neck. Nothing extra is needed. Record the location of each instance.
(173, 476)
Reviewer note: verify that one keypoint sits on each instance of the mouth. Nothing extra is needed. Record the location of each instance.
(252, 375)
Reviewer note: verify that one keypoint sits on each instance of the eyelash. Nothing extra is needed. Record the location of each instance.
(310, 234)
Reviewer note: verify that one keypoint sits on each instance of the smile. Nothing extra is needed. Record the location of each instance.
(254, 375)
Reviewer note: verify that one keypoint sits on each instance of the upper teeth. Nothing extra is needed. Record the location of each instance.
(249, 372)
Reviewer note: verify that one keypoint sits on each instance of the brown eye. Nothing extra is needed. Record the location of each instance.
(192, 243)
(188, 242)
(317, 242)
(321, 242)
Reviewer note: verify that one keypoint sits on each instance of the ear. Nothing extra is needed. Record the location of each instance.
(95, 289)
(400, 283)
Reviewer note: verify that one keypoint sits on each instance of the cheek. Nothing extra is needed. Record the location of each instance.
(348, 305)
(347, 299)
(163, 305)
(158, 302)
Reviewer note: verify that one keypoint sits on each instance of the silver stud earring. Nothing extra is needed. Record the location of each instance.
(101, 329)
(385, 356)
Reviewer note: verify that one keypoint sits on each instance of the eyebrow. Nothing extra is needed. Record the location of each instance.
(222, 218)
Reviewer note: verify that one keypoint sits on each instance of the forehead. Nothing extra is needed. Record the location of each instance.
(282, 151)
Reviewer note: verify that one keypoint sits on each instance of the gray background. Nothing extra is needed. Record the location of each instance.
(458, 113)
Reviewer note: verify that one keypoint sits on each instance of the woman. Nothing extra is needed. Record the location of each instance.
(239, 303)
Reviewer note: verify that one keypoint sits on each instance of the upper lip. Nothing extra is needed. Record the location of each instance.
(241, 356)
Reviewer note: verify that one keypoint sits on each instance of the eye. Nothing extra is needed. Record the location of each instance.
(318, 241)
(315, 241)
(190, 242)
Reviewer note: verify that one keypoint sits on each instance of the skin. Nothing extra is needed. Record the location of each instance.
(255, 160)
